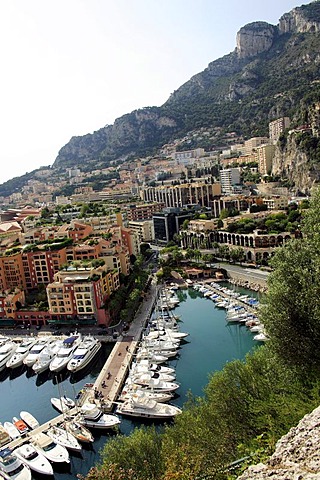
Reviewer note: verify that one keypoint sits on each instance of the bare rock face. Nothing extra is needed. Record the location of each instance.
(297, 454)
(293, 164)
(255, 38)
(300, 20)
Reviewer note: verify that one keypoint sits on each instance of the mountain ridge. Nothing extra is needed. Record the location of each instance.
(226, 82)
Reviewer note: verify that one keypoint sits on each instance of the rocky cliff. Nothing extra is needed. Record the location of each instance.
(304, 19)
(297, 455)
(292, 163)
(255, 38)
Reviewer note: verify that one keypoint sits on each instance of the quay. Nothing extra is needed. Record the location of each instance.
(113, 374)
(228, 297)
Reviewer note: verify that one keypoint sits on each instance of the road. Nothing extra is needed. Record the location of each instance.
(251, 274)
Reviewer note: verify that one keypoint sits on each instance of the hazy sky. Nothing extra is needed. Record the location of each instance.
(69, 67)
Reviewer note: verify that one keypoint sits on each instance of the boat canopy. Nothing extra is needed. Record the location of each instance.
(70, 340)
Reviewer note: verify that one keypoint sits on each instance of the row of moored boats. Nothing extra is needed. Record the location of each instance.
(48, 352)
(239, 308)
(151, 383)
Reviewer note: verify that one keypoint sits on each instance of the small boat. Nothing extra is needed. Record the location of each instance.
(84, 353)
(11, 467)
(33, 459)
(51, 450)
(4, 436)
(79, 431)
(12, 430)
(91, 416)
(20, 353)
(62, 404)
(143, 407)
(20, 425)
(65, 353)
(62, 437)
(29, 419)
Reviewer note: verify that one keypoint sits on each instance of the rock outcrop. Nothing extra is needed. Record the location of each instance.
(293, 164)
(255, 38)
(297, 454)
(302, 19)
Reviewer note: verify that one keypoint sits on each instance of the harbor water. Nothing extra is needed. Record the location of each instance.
(210, 344)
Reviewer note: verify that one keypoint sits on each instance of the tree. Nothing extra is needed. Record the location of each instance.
(291, 311)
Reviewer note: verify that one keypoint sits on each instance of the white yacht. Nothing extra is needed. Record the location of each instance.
(20, 353)
(35, 351)
(51, 450)
(65, 353)
(6, 352)
(166, 334)
(62, 437)
(144, 376)
(11, 467)
(91, 416)
(146, 408)
(29, 419)
(146, 366)
(145, 354)
(46, 356)
(154, 384)
(84, 353)
(33, 459)
(78, 430)
(134, 390)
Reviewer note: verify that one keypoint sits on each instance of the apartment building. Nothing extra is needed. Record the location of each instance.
(229, 177)
(144, 230)
(80, 295)
(278, 126)
(178, 196)
(253, 143)
(264, 155)
(144, 211)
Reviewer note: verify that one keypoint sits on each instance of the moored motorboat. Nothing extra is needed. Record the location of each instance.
(20, 425)
(35, 350)
(91, 416)
(11, 467)
(35, 460)
(84, 353)
(62, 437)
(46, 356)
(146, 408)
(154, 384)
(29, 419)
(135, 391)
(145, 365)
(143, 377)
(7, 350)
(65, 353)
(51, 450)
(22, 350)
(12, 430)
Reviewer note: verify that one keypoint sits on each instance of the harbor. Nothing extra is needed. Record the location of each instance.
(210, 345)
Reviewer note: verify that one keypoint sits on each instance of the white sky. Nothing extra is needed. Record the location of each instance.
(69, 67)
